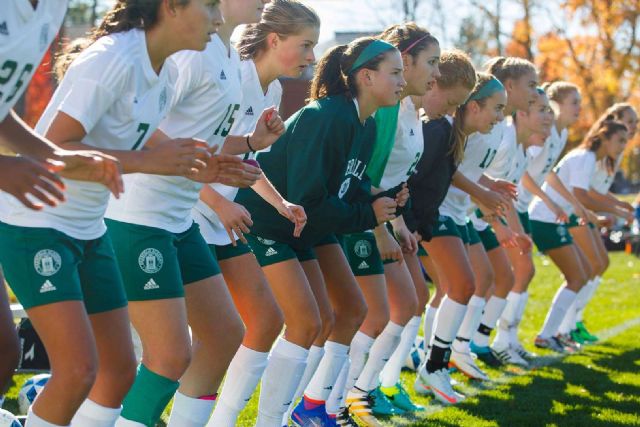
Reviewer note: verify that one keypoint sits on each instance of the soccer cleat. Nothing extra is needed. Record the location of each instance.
(570, 345)
(486, 355)
(551, 343)
(382, 405)
(360, 406)
(526, 355)
(586, 335)
(344, 419)
(439, 384)
(576, 337)
(399, 397)
(310, 415)
(465, 364)
(508, 355)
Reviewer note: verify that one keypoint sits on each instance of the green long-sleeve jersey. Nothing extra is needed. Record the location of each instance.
(319, 163)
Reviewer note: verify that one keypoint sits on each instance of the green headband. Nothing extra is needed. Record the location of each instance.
(374, 49)
(489, 88)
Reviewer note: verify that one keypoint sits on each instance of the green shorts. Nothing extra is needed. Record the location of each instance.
(474, 237)
(44, 266)
(446, 226)
(489, 239)
(269, 252)
(524, 220)
(156, 264)
(229, 251)
(362, 253)
(574, 222)
(549, 236)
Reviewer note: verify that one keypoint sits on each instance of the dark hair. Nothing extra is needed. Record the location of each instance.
(408, 38)
(332, 76)
(596, 135)
(124, 16)
(456, 69)
(509, 67)
(458, 121)
(283, 17)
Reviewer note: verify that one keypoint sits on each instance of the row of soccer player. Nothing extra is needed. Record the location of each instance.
(324, 242)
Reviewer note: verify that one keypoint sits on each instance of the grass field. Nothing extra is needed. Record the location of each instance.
(598, 387)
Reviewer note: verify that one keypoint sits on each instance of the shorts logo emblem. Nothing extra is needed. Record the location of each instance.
(362, 248)
(150, 260)
(47, 286)
(344, 188)
(47, 262)
(266, 242)
(271, 252)
(363, 265)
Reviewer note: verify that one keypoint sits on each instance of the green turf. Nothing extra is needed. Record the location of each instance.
(598, 387)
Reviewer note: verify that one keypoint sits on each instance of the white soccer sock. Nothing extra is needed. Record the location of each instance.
(243, 376)
(91, 414)
(358, 353)
(447, 323)
(281, 378)
(508, 319)
(328, 370)
(595, 282)
(190, 411)
(391, 372)
(569, 320)
(379, 355)
(427, 327)
(315, 355)
(336, 400)
(35, 421)
(561, 302)
(492, 311)
(469, 324)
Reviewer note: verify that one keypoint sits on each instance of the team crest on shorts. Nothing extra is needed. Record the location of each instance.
(47, 262)
(362, 248)
(344, 187)
(266, 242)
(150, 260)
(562, 232)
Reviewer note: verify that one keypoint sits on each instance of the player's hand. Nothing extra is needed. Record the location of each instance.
(407, 240)
(235, 218)
(22, 177)
(226, 169)
(268, 129)
(582, 213)
(402, 196)
(506, 237)
(179, 157)
(295, 214)
(505, 188)
(495, 203)
(384, 209)
(388, 246)
(561, 215)
(524, 243)
(92, 166)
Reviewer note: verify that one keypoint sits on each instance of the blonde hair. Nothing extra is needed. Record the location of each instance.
(509, 67)
(282, 17)
(558, 91)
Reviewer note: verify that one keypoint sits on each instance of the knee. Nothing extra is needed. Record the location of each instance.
(80, 375)
(352, 313)
(463, 291)
(328, 322)
(173, 361)
(268, 325)
(406, 310)
(531, 271)
(605, 265)
(484, 280)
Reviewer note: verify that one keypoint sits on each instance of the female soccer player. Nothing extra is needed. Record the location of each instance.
(72, 287)
(565, 100)
(389, 290)
(281, 43)
(319, 163)
(170, 274)
(482, 111)
(574, 170)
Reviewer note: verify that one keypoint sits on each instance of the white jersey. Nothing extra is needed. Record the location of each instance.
(509, 164)
(253, 103)
(407, 148)
(206, 103)
(112, 90)
(479, 153)
(540, 162)
(25, 36)
(601, 180)
(575, 171)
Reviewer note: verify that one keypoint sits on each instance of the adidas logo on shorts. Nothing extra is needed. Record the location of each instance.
(442, 228)
(151, 284)
(223, 76)
(271, 252)
(249, 111)
(47, 286)
(363, 265)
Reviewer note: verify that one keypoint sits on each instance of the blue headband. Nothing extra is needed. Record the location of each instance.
(489, 88)
(374, 49)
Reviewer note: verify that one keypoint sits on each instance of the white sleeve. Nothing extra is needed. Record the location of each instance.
(499, 167)
(582, 170)
(276, 94)
(95, 82)
(189, 65)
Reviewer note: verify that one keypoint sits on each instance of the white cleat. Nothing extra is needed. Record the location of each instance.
(509, 356)
(464, 363)
(439, 384)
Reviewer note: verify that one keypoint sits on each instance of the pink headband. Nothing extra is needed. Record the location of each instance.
(412, 45)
